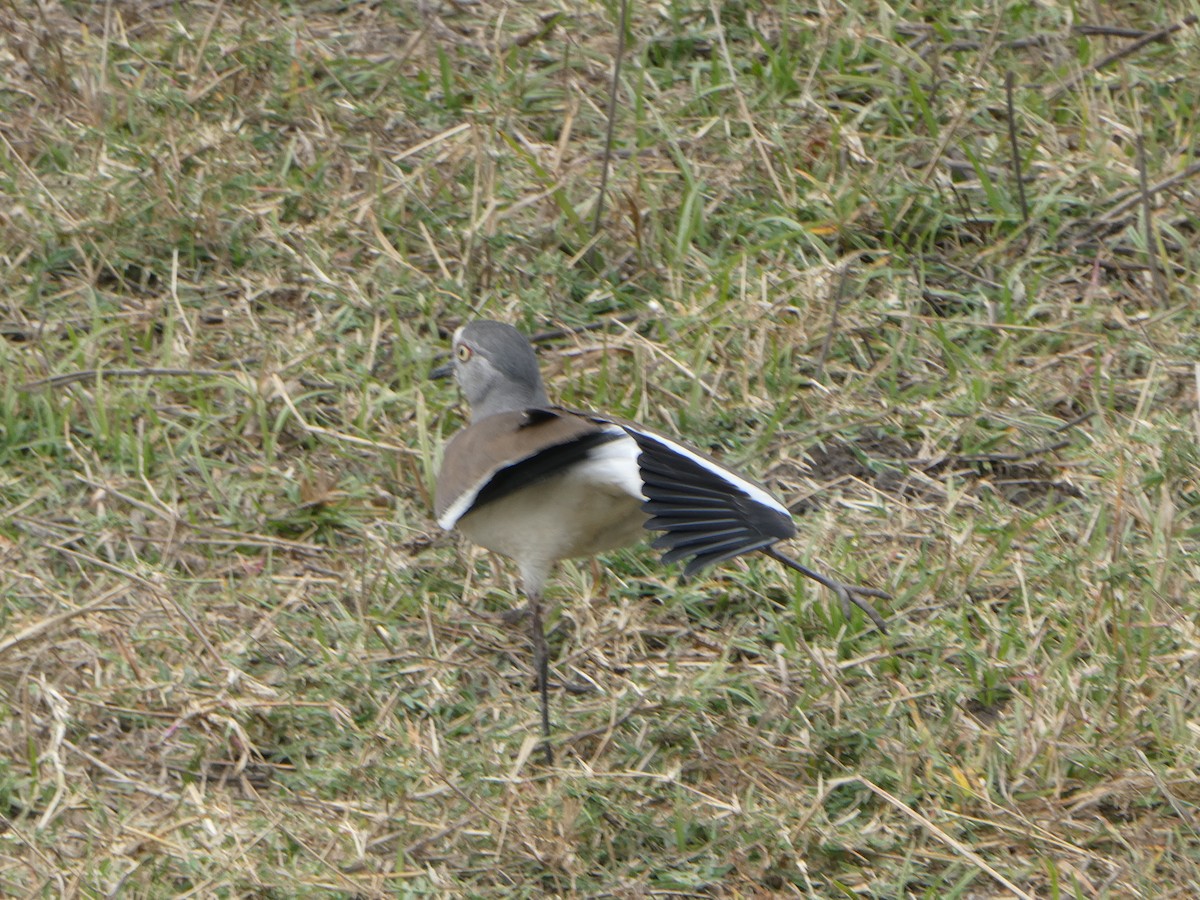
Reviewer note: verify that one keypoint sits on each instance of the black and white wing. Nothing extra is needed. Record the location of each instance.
(706, 513)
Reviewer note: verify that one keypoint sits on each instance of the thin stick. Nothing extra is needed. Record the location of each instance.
(1196, 375)
(1118, 209)
(612, 117)
(555, 333)
(329, 432)
(549, 21)
(37, 629)
(1161, 34)
(1016, 150)
(1109, 31)
(1156, 276)
(838, 293)
(146, 372)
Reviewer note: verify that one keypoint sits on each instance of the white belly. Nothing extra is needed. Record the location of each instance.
(580, 512)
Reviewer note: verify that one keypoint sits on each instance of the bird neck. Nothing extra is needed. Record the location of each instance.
(509, 397)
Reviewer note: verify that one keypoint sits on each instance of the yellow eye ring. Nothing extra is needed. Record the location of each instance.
(463, 352)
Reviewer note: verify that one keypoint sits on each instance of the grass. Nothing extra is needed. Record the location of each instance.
(238, 657)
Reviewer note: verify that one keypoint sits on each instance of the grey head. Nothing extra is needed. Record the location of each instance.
(497, 369)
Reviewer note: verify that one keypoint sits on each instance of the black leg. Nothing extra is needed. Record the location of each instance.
(541, 661)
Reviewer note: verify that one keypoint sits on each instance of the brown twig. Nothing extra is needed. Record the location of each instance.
(1127, 203)
(1116, 55)
(146, 372)
(839, 292)
(1156, 276)
(608, 727)
(1109, 31)
(612, 117)
(549, 20)
(555, 334)
(45, 626)
(1023, 455)
(1015, 148)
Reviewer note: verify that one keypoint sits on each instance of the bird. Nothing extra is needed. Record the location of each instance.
(539, 483)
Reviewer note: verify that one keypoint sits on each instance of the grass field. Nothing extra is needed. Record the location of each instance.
(928, 270)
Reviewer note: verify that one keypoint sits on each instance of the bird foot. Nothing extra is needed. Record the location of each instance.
(856, 595)
(848, 594)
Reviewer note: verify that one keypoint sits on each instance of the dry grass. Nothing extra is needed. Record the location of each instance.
(239, 659)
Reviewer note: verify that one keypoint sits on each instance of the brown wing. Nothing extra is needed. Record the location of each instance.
(493, 457)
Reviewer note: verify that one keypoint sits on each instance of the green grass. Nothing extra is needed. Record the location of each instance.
(237, 656)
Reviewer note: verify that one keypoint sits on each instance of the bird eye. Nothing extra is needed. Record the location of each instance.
(463, 352)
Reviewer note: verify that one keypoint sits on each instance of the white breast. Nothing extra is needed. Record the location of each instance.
(592, 506)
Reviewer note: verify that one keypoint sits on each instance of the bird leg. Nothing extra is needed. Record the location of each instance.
(513, 617)
(541, 661)
(846, 593)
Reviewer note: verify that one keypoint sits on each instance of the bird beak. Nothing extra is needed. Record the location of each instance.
(445, 370)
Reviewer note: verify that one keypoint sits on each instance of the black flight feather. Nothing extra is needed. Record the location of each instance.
(702, 514)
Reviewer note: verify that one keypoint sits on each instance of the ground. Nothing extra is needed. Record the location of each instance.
(927, 270)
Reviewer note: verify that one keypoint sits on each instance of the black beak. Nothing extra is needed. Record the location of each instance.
(445, 370)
